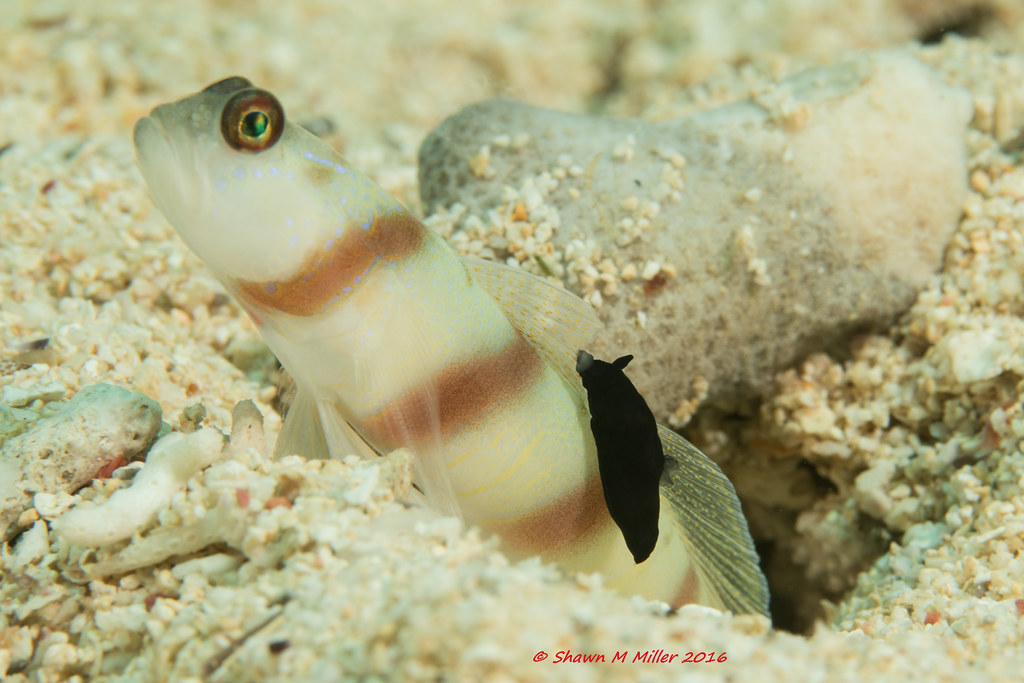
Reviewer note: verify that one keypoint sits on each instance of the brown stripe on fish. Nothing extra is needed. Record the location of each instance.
(459, 395)
(689, 589)
(560, 523)
(328, 275)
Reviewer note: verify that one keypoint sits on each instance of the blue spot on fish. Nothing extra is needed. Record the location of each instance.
(257, 173)
(328, 244)
(316, 159)
(294, 240)
(274, 172)
(366, 227)
(239, 173)
(220, 184)
(270, 287)
(340, 169)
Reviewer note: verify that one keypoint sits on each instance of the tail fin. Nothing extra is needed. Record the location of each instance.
(715, 531)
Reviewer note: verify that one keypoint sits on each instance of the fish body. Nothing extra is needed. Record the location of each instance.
(393, 340)
(629, 453)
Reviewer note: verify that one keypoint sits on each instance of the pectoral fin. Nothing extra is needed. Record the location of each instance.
(313, 429)
(316, 429)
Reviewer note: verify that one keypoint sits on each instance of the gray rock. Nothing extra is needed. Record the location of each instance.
(102, 426)
(791, 221)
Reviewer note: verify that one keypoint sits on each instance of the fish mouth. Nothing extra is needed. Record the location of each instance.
(151, 144)
(161, 164)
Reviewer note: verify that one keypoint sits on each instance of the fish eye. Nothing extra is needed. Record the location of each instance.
(252, 120)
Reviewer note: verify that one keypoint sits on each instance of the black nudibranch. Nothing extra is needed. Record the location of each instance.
(629, 452)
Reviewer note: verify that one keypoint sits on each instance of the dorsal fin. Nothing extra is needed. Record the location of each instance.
(715, 531)
(555, 321)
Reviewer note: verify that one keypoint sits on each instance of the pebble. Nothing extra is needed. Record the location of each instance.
(16, 397)
(779, 225)
(972, 355)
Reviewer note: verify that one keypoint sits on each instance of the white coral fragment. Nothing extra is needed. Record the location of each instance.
(170, 463)
(220, 524)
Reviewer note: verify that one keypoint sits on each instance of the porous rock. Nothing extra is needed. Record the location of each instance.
(777, 226)
(100, 427)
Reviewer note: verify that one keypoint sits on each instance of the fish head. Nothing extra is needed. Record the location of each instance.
(254, 195)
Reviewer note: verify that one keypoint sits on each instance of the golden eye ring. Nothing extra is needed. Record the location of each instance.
(252, 120)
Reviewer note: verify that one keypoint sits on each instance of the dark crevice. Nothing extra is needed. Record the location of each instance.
(968, 22)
